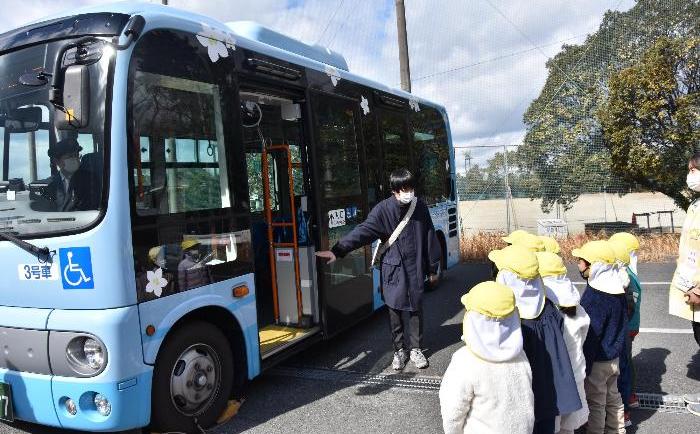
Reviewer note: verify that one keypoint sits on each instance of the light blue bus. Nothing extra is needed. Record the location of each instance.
(166, 179)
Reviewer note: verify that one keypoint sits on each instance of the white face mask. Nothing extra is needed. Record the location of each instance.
(406, 196)
(693, 180)
(70, 165)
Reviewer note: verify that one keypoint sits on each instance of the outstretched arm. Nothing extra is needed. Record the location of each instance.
(363, 234)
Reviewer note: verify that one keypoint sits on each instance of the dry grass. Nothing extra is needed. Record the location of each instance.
(653, 247)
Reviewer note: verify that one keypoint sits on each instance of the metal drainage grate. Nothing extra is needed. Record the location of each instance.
(399, 380)
(647, 401)
(663, 403)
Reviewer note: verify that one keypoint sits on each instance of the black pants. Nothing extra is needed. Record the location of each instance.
(544, 426)
(696, 331)
(415, 328)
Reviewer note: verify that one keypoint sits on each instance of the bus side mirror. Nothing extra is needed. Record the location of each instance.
(75, 112)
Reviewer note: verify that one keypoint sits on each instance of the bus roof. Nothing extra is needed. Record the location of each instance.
(247, 35)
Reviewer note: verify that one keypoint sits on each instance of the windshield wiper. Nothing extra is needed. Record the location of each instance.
(43, 254)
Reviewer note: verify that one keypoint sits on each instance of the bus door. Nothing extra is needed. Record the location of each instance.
(346, 284)
(286, 290)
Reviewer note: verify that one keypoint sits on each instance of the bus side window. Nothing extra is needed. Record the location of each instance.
(397, 153)
(186, 232)
(185, 165)
(431, 155)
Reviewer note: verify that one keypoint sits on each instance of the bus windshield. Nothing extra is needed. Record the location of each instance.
(52, 178)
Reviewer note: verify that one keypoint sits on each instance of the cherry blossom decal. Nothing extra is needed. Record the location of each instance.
(365, 105)
(156, 282)
(334, 74)
(217, 42)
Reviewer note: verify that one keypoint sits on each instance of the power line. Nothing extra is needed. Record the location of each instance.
(527, 38)
(340, 27)
(330, 20)
(493, 59)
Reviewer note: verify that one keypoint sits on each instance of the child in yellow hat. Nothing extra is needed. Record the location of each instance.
(550, 244)
(525, 239)
(605, 304)
(620, 243)
(560, 291)
(487, 386)
(553, 382)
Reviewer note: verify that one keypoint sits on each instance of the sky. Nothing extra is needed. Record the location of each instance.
(484, 60)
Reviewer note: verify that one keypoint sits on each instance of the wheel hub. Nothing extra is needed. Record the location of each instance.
(195, 379)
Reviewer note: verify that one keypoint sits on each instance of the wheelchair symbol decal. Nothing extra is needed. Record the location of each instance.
(76, 268)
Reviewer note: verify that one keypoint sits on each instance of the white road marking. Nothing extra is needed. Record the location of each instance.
(665, 331)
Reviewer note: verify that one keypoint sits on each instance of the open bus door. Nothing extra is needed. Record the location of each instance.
(346, 284)
(286, 290)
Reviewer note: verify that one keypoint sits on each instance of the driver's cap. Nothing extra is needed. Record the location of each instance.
(63, 147)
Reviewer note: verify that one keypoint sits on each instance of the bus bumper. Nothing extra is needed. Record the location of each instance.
(42, 399)
(125, 381)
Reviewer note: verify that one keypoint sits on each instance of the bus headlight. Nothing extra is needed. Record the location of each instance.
(93, 354)
(86, 355)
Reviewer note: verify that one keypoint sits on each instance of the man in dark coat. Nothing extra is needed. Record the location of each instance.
(404, 265)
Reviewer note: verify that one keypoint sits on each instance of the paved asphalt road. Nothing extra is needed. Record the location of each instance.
(346, 385)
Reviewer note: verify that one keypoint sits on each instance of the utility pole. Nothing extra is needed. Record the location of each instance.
(165, 2)
(403, 46)
(507, 185)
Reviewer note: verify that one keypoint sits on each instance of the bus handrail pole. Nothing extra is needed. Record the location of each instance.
(295, 240)
(268, 217)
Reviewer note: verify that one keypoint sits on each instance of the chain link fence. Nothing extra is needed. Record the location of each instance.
(501, 192)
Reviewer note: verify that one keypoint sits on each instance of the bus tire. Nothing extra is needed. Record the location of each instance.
(442, 266)
(192, 379)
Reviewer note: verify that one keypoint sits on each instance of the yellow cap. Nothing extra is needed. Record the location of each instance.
(490, 299)
(518, 259)
(550, 245)
(529, 241)
(595, 251)
(629, 241)
(550, 264)
(515, 236)
(188, 243)
(153, 253)
(621, 253)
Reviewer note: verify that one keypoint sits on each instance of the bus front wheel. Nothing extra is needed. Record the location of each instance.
(192, 379)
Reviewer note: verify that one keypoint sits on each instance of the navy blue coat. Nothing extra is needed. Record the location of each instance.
(606, 334)
(405, 265)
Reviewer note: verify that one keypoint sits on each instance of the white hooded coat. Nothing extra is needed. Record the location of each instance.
(487, 388)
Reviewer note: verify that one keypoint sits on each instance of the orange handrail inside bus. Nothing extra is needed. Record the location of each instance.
(270, 224)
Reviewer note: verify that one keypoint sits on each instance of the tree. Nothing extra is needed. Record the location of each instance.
(489, 182)
(651, 122)
(564, 145)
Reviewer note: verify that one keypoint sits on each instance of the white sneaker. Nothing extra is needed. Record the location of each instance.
(694, 409)
(418, 358)
(399, 361)
(692, 398)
